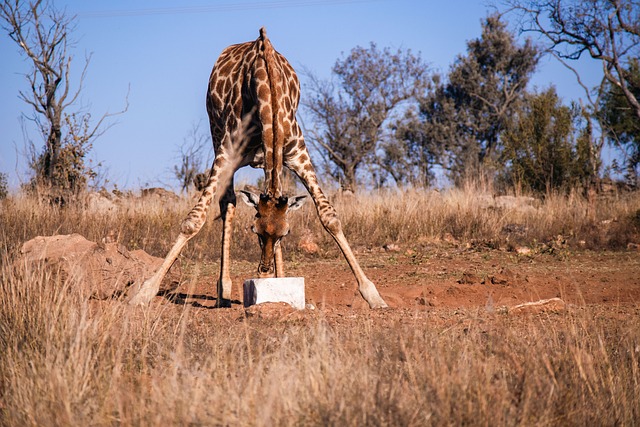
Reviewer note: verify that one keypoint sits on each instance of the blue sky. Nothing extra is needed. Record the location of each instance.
(164, 50)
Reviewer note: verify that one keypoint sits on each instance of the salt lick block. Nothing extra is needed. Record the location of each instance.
(280, 289)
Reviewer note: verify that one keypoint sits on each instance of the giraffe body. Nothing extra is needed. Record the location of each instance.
(252, 99)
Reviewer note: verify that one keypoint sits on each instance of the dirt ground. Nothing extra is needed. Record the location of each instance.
(442, 279)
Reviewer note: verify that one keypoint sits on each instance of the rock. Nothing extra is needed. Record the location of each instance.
(554, 305)
(516, 203)
(505, 277)
(448, 237)
(100, 203)
(279, 311)
(468, 278)
(516, 229)
(391, 247)
(159, 193)
(423, 300)
(499, 279)
(307, 244)
(100, 271)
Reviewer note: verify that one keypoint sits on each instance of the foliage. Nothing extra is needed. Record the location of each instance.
(4, 186)
(70, 173)
(542, 150)
(607, 31)
(622, 125)
(351, 119)
(467, 112)
(43, 34)
(587, 161)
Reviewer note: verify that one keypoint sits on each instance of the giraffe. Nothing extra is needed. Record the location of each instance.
(252, 99)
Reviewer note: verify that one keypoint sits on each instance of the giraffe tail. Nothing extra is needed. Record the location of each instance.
(275, 137)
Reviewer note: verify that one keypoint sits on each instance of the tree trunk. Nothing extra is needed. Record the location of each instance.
(349, 183)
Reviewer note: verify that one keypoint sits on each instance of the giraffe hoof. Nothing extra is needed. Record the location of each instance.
(371, 296)
(139, 299)
(223, 303)
(378, 304)
(145, 294)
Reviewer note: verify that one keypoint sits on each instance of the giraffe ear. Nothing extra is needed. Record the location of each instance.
(296, 203)
(250, 198)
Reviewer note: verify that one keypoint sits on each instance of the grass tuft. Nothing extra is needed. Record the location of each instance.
(65, 360)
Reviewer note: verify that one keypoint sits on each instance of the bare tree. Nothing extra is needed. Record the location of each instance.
(622, 126)
(607, 30)
(351, 119)
(43, 34)
(193, 159)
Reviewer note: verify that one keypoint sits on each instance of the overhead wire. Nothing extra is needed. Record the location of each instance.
(225, 7)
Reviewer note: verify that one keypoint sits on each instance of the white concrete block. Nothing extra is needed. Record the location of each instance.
(280, 289)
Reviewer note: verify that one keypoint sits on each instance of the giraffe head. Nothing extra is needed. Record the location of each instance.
(271, 224)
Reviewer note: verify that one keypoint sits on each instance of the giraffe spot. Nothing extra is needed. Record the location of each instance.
(265, 111)
(267, 140)
(288, 68)
(225, 69)
(216, 101)
(263, 92)
(220, 86)
(286, 128)
(260, 74)
(237, 107)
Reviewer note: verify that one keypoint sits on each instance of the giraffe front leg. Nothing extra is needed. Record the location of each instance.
(302, 167)
(189, 227)
(332, 224)
(279, 261)
(149, 289)
(227, 211)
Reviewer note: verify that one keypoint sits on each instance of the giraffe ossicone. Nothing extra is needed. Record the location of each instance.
(252, 100)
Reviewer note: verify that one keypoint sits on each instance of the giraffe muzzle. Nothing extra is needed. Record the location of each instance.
(265, 270)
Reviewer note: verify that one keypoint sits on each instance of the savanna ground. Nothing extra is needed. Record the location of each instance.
(449, 351)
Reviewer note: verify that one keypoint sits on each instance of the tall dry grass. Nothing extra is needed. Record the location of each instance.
(68, 361)
(406, 217)
(65, 360)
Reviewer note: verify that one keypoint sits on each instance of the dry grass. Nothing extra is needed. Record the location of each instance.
(408, 218)
(65, 360)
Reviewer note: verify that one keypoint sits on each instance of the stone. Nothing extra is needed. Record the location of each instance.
(307, 244)
(97, 270)
(553, 305)
(281, 289)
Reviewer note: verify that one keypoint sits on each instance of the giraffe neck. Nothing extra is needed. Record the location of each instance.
(273, 183)
(273, 154)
